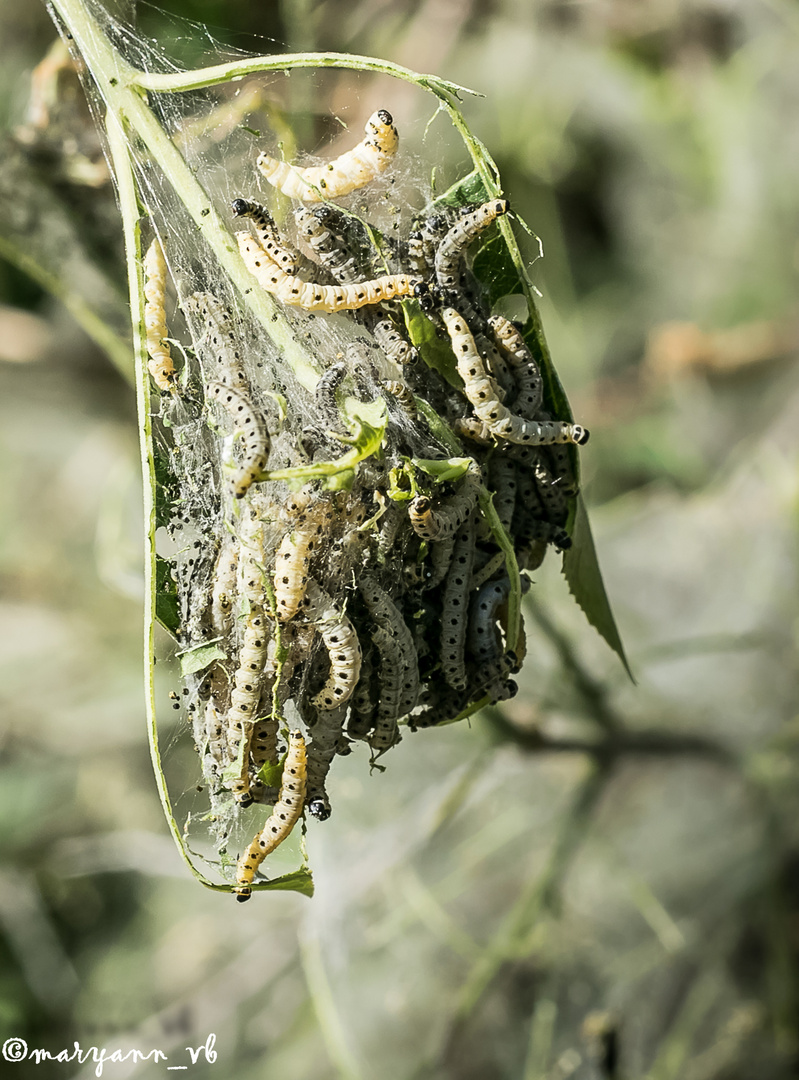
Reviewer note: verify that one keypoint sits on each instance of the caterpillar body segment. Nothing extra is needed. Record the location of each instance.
(325, 393)
(390, 338)
(338, 241)
(485, 643)
(483, 393)
(299, 293)
(451, 250)
(363, 703)
(244, 700)
(325, 739)
(529, 384)
(281, 821)
(438, 522)
(341, 642)
(219, 338)
(294, 554)
(503, 479)
(223, 590)
(268, 235)
(399, 666)
(160, 364)
(423, 242)
(346, 173)
(255, 436)
(403, 395)
(456, 608)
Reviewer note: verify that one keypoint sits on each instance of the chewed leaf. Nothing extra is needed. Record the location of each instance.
(166, 597)
(494, 267)
(581, 570)
(469, 189)
(200, 657)
(300, 881)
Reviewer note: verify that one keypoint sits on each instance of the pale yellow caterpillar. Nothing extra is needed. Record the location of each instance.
(449, 256)
(293, 557)
(223, 590)
(304, 294)
(439, 521)
(256, 439)
(346, 173)
(268, 236)
(483, 393)
(341, 642)
(160, 364)
(281, 821)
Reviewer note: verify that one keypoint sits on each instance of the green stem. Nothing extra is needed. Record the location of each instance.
(177, 82)
(129, 207)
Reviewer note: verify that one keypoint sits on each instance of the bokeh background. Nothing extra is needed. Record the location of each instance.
(599, 880)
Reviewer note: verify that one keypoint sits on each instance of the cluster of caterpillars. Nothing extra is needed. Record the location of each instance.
(357, 612)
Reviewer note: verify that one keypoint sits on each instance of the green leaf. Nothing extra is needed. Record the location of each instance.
(200, 657)
(581, 570)
(494, 268)
(300, 881)
(469, 189)
(368, 421)
(271, 773)
(446, 469)
(435, 351)
(166, 596)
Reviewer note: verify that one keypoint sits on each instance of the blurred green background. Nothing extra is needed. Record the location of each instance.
(601, 881)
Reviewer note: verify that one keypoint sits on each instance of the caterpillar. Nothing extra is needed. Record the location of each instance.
(333, 238)
(490, 675)
(223, 589)
(293, 557)
(441, 521)
(532, 521)
(449, 256)
(399, 671)
(160, 364)
(219, 335)
(455, 613)
(344, 174)
(390, 338)
(341, 642)
(295, 291)
(281, 821)
(326, 735)
(422, 243)
(529, 385)
(256, 439)
(244, 699)
(362, 703)
(268, 236)
(482, 392)
(502, 477)
(325, 393)
(403, 395)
